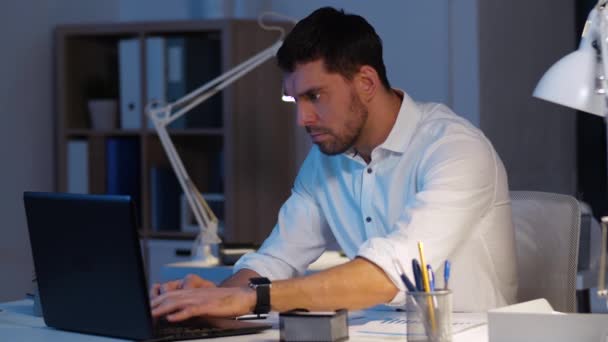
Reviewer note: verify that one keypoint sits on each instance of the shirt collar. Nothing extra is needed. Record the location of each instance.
(403, 128)
(405, 125)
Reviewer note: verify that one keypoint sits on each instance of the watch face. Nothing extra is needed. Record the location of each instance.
(259, 281)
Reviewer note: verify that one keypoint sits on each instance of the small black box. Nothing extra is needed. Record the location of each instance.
(314, 326)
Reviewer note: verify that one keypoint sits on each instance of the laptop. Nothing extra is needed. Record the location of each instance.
(90, 272)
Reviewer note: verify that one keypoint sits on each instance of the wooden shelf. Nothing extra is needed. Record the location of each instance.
(168, 235)
(213, 132)
(246, 154)
(84, 133)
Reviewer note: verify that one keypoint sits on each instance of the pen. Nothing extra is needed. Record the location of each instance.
(432, 282)
(408, 284)
(411, 288)
(446, 273)
(251, 317)
(417, 275)
(431, 277)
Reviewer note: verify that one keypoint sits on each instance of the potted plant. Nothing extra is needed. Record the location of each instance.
(102, 103)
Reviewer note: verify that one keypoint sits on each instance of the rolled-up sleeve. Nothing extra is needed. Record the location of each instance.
(456, 187)
(299, 237)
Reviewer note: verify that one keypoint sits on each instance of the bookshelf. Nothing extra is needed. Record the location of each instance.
(238, 147)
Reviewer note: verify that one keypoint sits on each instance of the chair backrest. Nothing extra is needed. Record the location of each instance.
(547, 228)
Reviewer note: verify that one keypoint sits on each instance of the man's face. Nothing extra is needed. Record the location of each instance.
(327, 106)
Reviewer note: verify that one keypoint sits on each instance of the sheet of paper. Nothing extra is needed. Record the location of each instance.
(397, 325)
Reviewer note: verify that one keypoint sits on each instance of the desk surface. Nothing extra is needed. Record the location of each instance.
(17, 323)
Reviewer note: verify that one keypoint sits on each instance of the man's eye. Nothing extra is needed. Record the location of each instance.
(314, 96)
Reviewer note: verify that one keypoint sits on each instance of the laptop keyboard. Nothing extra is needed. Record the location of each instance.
(204, 328)
(189, 329)
(179, 332)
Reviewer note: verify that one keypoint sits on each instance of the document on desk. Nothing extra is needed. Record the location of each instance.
(396, 325)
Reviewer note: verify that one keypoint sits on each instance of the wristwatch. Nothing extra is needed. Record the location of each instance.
(261, 286)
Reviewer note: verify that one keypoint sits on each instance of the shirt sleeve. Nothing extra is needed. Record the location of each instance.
(300, 235)
(455, 188)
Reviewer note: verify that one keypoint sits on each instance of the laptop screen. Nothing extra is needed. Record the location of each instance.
(90, 272)
(88, 264)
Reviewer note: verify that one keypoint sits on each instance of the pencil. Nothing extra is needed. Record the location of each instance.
(427, 286)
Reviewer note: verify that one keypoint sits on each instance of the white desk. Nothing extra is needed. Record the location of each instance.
(17, 323)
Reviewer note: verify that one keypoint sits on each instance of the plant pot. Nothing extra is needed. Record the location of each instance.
(103, 114)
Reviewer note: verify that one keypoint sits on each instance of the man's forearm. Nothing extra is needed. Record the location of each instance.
(355, 285)
(240, 278)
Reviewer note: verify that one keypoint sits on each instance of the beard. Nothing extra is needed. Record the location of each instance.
(342, 141)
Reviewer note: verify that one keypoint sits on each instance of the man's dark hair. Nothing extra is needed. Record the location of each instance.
(345, 42)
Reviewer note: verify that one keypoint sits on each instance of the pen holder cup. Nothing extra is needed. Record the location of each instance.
(429, 316)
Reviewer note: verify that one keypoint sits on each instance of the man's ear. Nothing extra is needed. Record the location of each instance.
(367, 82)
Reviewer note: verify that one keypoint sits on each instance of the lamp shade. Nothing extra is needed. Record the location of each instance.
(571, 82)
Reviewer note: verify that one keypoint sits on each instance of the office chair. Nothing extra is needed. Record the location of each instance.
(547, 228)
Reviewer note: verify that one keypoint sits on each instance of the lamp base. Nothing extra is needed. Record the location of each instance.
(204, 254)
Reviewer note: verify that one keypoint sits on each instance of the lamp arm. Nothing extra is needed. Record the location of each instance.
(602, 27)
(202, 213)
(601, 281)
(201, 94)
(165, 115)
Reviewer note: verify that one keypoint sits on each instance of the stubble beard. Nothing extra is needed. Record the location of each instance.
(352, 129)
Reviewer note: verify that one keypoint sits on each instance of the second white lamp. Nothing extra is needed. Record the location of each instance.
(576, 80)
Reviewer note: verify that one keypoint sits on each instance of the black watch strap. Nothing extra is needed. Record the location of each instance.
(262, 288)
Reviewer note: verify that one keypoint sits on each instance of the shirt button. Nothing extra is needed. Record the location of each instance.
(368, 219)
(369, 170)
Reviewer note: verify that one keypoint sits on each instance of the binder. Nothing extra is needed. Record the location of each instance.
(175, 75)
(176, 80)
(156, 70)
(192, 62)
(202, 64)
(130, 87)
(78, 167)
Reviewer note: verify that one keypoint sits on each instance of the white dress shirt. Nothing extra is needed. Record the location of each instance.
(436, 179)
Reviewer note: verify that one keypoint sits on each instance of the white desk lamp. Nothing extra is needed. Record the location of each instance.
(162, 115)
(578, 80)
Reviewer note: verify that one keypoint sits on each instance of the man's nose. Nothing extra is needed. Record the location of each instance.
(306, 116)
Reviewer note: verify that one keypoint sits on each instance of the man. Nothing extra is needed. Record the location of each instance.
(385, 173)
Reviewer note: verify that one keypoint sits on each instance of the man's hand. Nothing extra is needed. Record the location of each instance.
(182, 304)
(191, 281)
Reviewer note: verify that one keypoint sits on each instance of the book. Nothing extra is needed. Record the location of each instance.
(122, 167)
(165, 196)
(216, 172)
